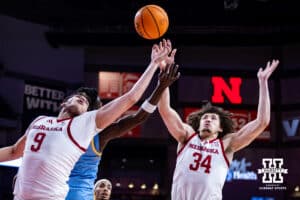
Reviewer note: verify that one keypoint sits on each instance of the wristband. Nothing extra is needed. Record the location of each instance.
(148, 107)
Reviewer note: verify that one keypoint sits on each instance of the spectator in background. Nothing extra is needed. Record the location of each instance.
(102, 189)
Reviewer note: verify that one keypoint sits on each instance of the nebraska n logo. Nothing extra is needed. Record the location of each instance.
(221, 89)
(272, 170)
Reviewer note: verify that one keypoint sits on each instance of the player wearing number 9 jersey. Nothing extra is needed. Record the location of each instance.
(52, 145)
(206, 143)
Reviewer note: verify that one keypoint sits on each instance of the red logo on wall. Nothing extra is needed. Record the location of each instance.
(221, 89)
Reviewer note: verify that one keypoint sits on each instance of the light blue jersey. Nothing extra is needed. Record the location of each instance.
(84, 173)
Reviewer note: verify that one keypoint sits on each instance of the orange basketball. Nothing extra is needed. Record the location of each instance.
(151, 22)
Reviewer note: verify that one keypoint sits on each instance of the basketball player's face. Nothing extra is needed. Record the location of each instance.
(103, 190)
(76, 105)
(209, 124)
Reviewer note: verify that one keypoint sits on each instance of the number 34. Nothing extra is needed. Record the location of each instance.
(198, 162)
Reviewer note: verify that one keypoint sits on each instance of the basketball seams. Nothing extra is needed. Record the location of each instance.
(154, 19)
(163, 14)
(142, 23)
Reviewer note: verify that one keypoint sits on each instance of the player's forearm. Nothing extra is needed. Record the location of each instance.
(140, 86)
(156, 94)
(264, 107)
(121, 127)
(129, 122)
(7, 154)
(164, 102)
(113, 110)
(142, 115)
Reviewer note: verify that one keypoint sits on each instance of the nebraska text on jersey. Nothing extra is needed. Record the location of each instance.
(203, 148)
(45, 128)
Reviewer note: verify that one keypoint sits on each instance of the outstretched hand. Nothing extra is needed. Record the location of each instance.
(162, 53)
(168, 75)
(264, 74)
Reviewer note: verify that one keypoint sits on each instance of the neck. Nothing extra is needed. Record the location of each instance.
(63, 114)
(209, 137)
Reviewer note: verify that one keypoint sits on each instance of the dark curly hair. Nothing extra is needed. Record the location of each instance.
(90, 94)
(226, 122)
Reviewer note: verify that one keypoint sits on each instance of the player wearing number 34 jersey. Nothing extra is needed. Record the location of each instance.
(207, 142)
(200, 160)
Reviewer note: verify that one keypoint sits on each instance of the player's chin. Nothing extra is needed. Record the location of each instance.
(73, 110)
(101, 197)
(206, 131)
(104, 197)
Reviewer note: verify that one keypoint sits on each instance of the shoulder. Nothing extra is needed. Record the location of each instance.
(86, 116)
(189, 132)
(226, 140)
(41, 117)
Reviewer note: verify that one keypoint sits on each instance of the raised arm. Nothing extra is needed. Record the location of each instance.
(113, 110)
(250, 131)
(119, 128)
(14, 151)
(178, 129)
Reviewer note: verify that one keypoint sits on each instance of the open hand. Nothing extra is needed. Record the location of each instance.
(264, 74)
(168, 75)
(161, 52)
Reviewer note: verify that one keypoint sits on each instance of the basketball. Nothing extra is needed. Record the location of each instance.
(151, 22)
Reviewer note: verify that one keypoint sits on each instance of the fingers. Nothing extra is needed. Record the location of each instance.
(155, 47)
(172, 55)
(268, 64)
(275, 63)
(272, 67)
(160, 45)
(264, 74)
(178, 75)
(174, 69)
(165, 44)
(169, 44)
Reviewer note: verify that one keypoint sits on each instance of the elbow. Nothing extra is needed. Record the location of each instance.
(14, 153)
(10, 153)
(264, 123)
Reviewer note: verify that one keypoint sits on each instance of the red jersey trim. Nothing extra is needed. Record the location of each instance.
(211, 141)
(60, 120)
(71, 137)
(189, 138)
(33, 122)
(223, 151)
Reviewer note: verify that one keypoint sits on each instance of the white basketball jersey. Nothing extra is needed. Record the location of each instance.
(201, 169)
(51, 150)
